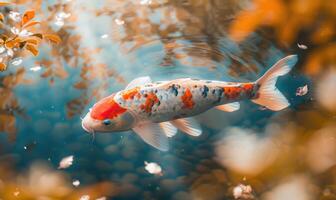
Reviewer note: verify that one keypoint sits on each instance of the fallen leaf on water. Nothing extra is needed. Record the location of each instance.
(65, 162)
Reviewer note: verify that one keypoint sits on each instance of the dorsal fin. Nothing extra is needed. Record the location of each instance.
(138, 82)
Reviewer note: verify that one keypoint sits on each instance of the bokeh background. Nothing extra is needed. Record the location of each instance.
(253, 153)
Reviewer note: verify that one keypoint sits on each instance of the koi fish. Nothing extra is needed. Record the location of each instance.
(156, 110)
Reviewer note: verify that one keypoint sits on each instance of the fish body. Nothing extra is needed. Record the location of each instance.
(155, 110)
(181, 98)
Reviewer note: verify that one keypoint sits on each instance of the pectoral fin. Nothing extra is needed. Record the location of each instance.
(153, 134)
(138, 81)
(229, 107)
(169, 129)
(188, 125)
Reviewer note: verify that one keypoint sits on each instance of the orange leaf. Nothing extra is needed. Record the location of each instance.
(81, 85)
(53, 38)
(5, 3)
(39, 35)
(32, 48)
(2, 17)
(46, 74)
(29, 15)
(12, 43)
(33, 23)
(32, 41)
(3, 67)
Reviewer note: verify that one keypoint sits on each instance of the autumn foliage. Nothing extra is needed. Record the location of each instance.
(20, 35)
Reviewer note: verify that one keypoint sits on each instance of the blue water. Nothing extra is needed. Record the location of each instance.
(47, 134)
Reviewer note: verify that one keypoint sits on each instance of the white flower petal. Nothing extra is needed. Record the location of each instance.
(66, 162)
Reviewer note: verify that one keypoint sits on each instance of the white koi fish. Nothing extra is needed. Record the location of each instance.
(156, 110)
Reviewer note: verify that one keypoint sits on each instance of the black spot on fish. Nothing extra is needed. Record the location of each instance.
(220, 92)
(205, 91)
(174, 89)
(156, 91)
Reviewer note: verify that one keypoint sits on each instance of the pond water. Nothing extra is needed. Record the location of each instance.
(105, 45)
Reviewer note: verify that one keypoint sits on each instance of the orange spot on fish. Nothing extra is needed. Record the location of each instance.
(130, 94)
(151, 100)
(187, 99)
(106, 108)
(232, 92)
(248, 86)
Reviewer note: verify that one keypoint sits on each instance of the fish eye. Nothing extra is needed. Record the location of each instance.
(107, 122)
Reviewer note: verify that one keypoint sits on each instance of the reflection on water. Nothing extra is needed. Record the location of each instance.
(107, 44)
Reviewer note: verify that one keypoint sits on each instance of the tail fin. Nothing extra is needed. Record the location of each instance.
(268, 95)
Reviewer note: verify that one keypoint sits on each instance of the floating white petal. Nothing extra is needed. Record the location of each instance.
(76, 183)
(65, 162)
(15, 16)
(145, 2)
(17, 61)
(2, 49)
(59, 23)
(119, 21)
(302, 46)
(63, 15)
(104, 36)
(35, 69)
(301, 91)
(84, 197)
(242, 192)
(153, 168)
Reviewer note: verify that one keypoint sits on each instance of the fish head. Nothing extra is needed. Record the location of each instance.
(107, 115)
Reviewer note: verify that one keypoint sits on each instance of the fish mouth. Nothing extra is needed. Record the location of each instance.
(86, 128)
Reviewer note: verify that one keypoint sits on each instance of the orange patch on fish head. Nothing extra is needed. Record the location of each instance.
(106, 108)
(131, 93)
(187, 99)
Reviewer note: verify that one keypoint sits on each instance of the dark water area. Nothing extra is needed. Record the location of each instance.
(107, 44)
